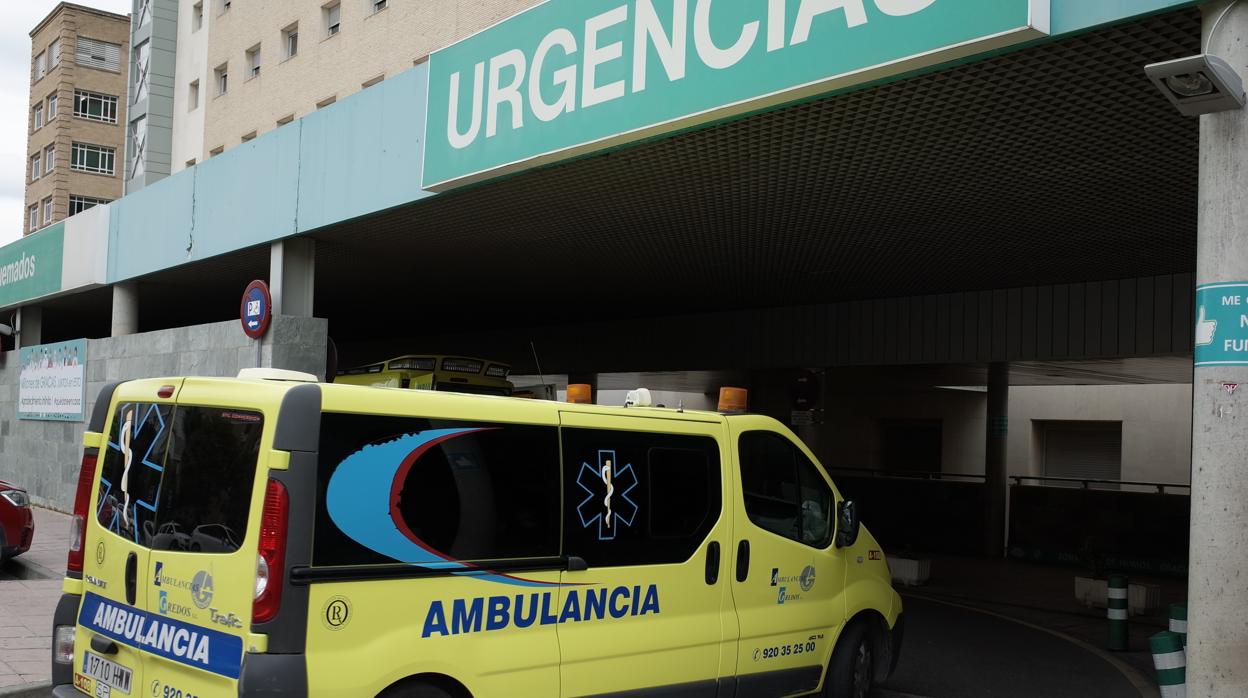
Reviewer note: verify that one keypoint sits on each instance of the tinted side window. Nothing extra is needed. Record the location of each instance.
(636, 498)
(784, 492)
(180, 478)
(430, 491)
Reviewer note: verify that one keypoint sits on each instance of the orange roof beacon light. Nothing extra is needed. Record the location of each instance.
(733, 400)
(580, 394)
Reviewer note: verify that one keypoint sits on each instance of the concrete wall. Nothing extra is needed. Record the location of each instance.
(67, 23)
(1156, 426)
(154, 38)
(44, 456)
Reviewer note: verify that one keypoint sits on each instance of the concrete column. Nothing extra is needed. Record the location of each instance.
(1217, 641)
(996, 480)
(29, 326)
(125, 309)
(292, 276)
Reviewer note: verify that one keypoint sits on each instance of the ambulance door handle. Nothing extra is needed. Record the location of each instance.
(712, 562)
(743, 560)
(132, 572)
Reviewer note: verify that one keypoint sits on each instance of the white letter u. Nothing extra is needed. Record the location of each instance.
(459, 140)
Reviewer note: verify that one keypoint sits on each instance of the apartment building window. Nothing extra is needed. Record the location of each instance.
(326, 102)
(222, 78)
(253, 61)
(249, 136)
(142, 65)
(51, 107)
(32, 218)
(192, 96)
(47, 211)
(35, 171)
(190, 163)
(41, 66)
(285, 120)
(333, 18)
(379, 5)
(78, 204)
(93, 158)
(290, 40)
(369, 83)
(97, 54)
(138, 147)
(54, 54)
(49, 159)
(38, 117)
(145, 13)
(197, 17)
(95, 107)
(216, 151)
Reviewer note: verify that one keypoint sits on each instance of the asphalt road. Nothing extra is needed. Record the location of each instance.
(951, 652)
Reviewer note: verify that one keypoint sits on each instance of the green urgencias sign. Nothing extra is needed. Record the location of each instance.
(31, 266)
(572, 76)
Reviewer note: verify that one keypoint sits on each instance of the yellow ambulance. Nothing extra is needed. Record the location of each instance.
(272, 536)
(456, 374)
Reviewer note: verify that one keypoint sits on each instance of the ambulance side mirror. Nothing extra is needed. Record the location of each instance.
(847, 524)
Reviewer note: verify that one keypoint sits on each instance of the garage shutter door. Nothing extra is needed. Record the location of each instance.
(1086, 450)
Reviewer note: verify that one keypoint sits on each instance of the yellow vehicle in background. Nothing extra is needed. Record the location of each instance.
(455, 374)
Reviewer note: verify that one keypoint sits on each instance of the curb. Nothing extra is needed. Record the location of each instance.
(29, 690)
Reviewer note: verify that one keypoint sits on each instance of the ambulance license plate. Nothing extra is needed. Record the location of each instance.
(110, 674)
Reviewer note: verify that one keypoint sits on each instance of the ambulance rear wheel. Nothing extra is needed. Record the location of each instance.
(415, 689)
(852, 670)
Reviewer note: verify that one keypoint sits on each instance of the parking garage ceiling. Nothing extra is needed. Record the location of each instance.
(1052, 164)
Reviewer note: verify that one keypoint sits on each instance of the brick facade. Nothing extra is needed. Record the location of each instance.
(67, 22)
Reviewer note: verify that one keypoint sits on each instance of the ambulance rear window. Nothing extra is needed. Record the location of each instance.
(180, 477)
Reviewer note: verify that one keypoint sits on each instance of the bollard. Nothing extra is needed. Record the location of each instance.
(1116, 612)
(1178, 621)
(1171, 664)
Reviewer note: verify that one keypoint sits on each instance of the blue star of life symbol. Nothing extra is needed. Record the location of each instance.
(607, 503)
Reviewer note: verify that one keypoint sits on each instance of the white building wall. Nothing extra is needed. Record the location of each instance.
(191, 65)
(1156, 426)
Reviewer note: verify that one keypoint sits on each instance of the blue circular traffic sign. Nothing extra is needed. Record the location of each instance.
(256, 311)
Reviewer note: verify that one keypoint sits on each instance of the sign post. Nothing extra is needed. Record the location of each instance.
(256, 310)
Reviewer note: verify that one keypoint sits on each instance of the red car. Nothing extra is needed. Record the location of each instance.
(17, 525)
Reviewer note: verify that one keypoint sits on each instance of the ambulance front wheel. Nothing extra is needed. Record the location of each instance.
(852, 670)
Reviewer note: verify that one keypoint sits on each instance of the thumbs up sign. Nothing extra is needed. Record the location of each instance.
(1205, 329)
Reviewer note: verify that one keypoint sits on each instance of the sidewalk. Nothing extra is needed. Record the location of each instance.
(30, 586)
(1045, 596)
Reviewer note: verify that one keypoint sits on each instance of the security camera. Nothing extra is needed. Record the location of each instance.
(6, 331)
(1198, 85)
